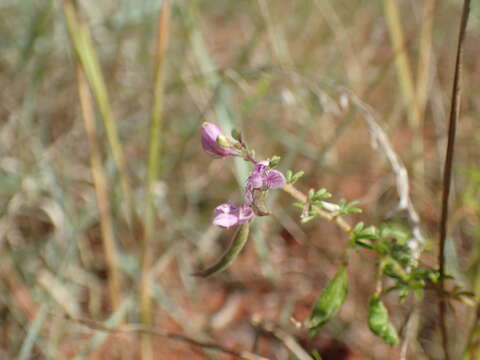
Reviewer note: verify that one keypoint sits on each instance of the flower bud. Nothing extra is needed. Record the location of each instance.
(215, 143)
(223, 141)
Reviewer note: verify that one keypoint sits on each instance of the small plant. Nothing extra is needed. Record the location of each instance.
(390, 242)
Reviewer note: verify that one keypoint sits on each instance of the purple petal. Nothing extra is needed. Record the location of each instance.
(225, 220)
(245, 213)
(256, 180)
(210, 133)
(275, 179)
(227, 208)
(261, 166)
(248, 197)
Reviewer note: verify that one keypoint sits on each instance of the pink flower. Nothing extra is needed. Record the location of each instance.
(262, 179)
(228, 215)
(215, 143)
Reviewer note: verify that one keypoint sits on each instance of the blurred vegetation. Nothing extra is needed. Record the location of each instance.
(277, 70)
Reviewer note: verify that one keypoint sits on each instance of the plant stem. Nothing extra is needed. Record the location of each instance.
(447, 173)
(298, 195)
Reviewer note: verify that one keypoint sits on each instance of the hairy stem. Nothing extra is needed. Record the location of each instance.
(298, 195)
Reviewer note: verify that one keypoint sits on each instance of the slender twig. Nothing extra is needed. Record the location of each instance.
(153, 162)
(101, 188)
(378, 135)
(288, 340)
(447, 173)
(410, 330)
(154, 331)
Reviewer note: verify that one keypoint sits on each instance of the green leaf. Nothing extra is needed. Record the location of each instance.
(237, 135)
(298, 205)
(360, 234)
(433, 276)
(292, 178)
(358, 227)
(305, 219)
(239, 241)
(370, 233)
(396, 231)
(379, 323)
(329, 302)
(297, 176)
(403, 254)
(288, 176)
(348, 208)
(274, 161)
(363, 243)
(382, 247)
(321, 194)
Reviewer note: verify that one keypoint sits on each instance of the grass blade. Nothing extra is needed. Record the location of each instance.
(153, 162)
(424, 58)
(401, 60)
(101, 189)
(85, 54)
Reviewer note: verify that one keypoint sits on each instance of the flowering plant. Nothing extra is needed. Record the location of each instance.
(396, 259)
(261, 179)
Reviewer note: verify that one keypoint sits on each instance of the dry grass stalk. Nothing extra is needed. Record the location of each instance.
(153, 163)
(101, 190)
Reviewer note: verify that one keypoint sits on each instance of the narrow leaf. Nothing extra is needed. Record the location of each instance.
(379, 323)
(329, 301)
(239, 241)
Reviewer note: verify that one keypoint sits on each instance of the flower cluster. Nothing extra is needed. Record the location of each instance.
(261, 179)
